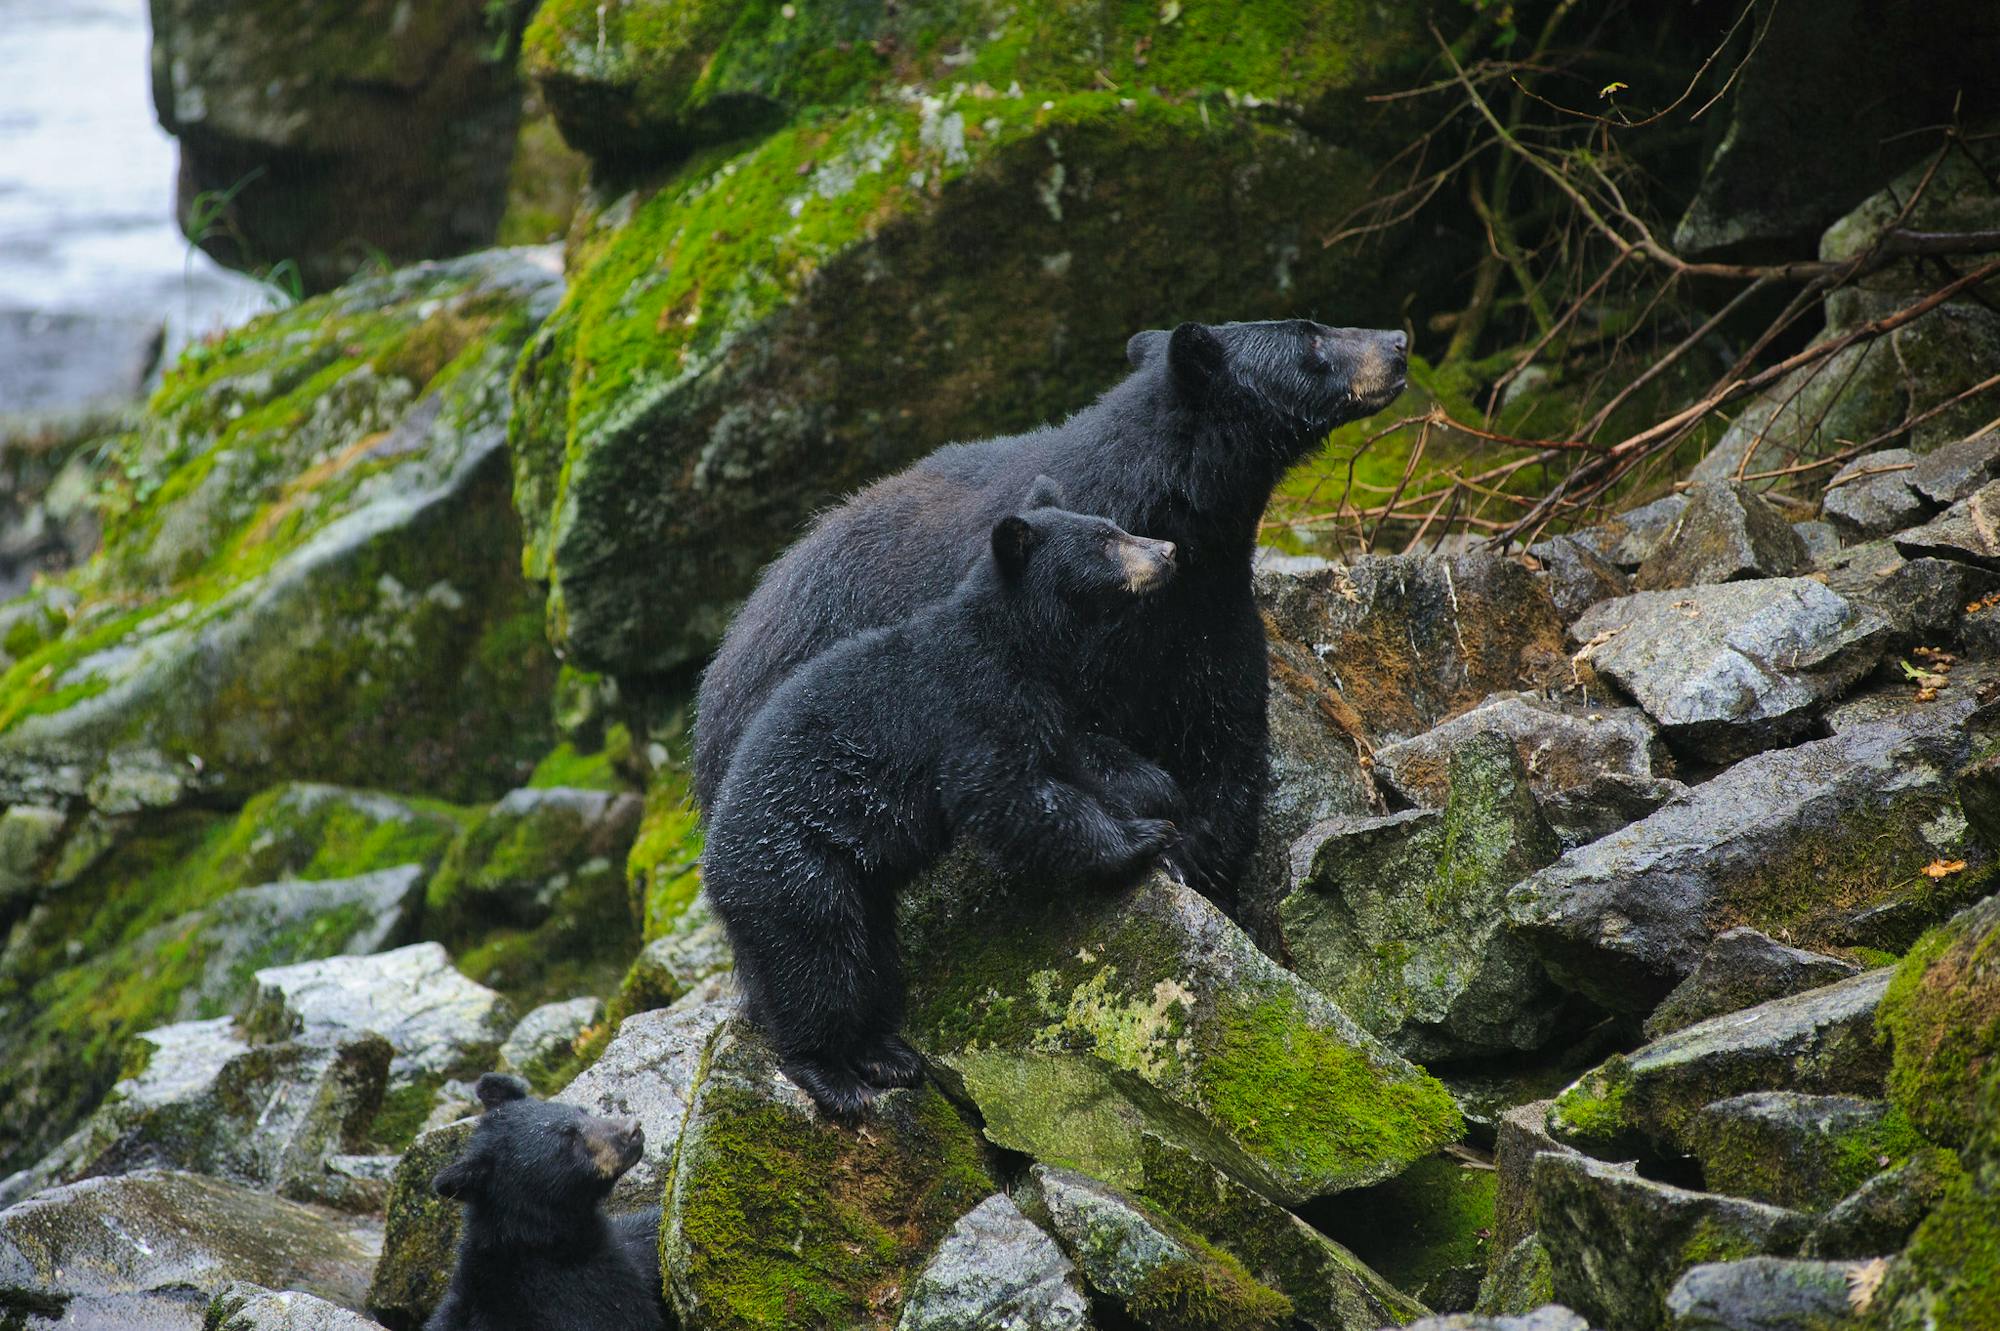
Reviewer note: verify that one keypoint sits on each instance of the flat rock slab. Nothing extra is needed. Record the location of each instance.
(1561, 747)
(1730, 668)
(1949, 473)
(1079, 1022)
(1823, 844)
(1402, 920)
(1407, 640)
(1162, 1278)
(247, 1307)
(159, 1233)
(1969, 530)
(996, 1268)
(1724, 533)
(1761, 1294)
(1741, 969)
(1806, 1152)
(1821, 1042)
(648, 1073)
(1618, 1242)
(1549, 1317)
(1873, 495)
(1922, 597)
(439, 1022)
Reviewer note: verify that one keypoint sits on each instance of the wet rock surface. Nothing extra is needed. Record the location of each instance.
(996, 1268)
(1968, 531)
(1741, 969)
(1874, 495)
(1761, 1294)
(247, 1307)
(1724, 533)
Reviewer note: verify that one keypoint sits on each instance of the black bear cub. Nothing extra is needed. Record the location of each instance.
(963, 720)
(537, 1252)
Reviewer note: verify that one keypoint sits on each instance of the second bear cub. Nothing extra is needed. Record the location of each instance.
(866, 764)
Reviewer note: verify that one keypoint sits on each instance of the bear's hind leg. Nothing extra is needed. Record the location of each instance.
(890, 1062)
(835, 1087)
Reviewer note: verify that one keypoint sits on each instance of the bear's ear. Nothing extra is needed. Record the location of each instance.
(1196, 357)
(495, 1088)
(1142, 347)
(456, 1179)
(1014, 539)
(1045, 493)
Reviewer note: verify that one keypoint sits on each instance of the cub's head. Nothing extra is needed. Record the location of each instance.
(535, 1156)
(1075, 559)
(1284, 383)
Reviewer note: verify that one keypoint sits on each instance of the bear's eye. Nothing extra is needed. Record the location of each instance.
(571, 1131)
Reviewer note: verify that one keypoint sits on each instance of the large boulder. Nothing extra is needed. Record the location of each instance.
(761, 333)
(778, 1218)
(326, 137)
(1942, 1013)
(146, 1250)
(1965, 532)
(1730, 668)
(1563, 749)
(1078, 1023)
(1806, 1152)
(1949, 1276)
(1724, 533)
(311, 568)
(996, 1268)
(1762, 1294)
(1402, 919)
(1824, 844)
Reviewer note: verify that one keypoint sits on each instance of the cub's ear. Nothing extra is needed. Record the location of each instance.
(1045, 493)
(455, 1179)
(1142, 347)
(1196, 357)
(1014, 539)
(495, 1088)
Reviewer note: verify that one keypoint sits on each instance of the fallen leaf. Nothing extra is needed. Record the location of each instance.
(1943, 868)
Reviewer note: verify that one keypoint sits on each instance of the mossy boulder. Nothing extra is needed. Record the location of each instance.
(1942, 1014)
(639, 80)
(764, 331)
(311, 568)
(1820, 1042)
(420, 1232)
(1402, 920)
(1806, 1152)
(1618, 1242)
(532, 899)
(1080, 1022)
(1164, 1277)
(777, 1218)
(322, 138)
(1949, 1276)
(1877, 1218)
(243, 1306)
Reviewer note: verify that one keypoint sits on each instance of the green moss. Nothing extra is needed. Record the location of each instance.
(1301, 1096)
(1214, 1294)
(664, 868)
(404, 1109)
(1593, 1110)
(1714, 1241)
(1942, 1015)
(566, 767)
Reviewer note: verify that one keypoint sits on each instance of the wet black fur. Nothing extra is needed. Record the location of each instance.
(537, 1252)
(869, 760)
(1187, 449)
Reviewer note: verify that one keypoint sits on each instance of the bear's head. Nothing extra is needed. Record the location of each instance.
(1281, 384)
(1075, 560)
(535, 1158)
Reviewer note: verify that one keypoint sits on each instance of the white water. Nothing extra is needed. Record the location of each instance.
(87, 179)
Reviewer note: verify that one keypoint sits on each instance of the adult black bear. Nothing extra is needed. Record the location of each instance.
(1188, 449)
(870, 759)
(536, 1250)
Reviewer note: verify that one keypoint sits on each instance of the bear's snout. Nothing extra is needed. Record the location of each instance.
(1148, 564)
(616, 1145)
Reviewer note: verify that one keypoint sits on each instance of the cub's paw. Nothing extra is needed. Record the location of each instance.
(890, 1062)
(840, 1095)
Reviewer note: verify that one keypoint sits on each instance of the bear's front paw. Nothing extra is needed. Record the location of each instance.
(1148, 839)
(890, 1062)
(840, 1095)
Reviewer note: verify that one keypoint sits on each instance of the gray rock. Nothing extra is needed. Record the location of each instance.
(996, 1271)
(420, 1231)
(1922, 597)
(1397, 644)
(148, 1249)
(1730, 668)
(1629, 539)
(1949, 473)
(247, 1307)
(1873, 495)
(61, 363)
(1142, 1260)
(1550, 1317)
(543, 1040)
(1805, 1152)
(1617, 1242)
(516, 862)
(1402, 919)
(1820, 1042)
(1724, 533)
(1877, 1218)
(1522, 1135)
(206, 1102)
(1600, 807)
(1741, 969)
(1969, 531)
(1789, 842)
(1577, 576)
(440, 1023)
(694, 947)
(1819, 538)
(648, 1073)
(1561, 748)
(1762, 1294)
(1519, 1282)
